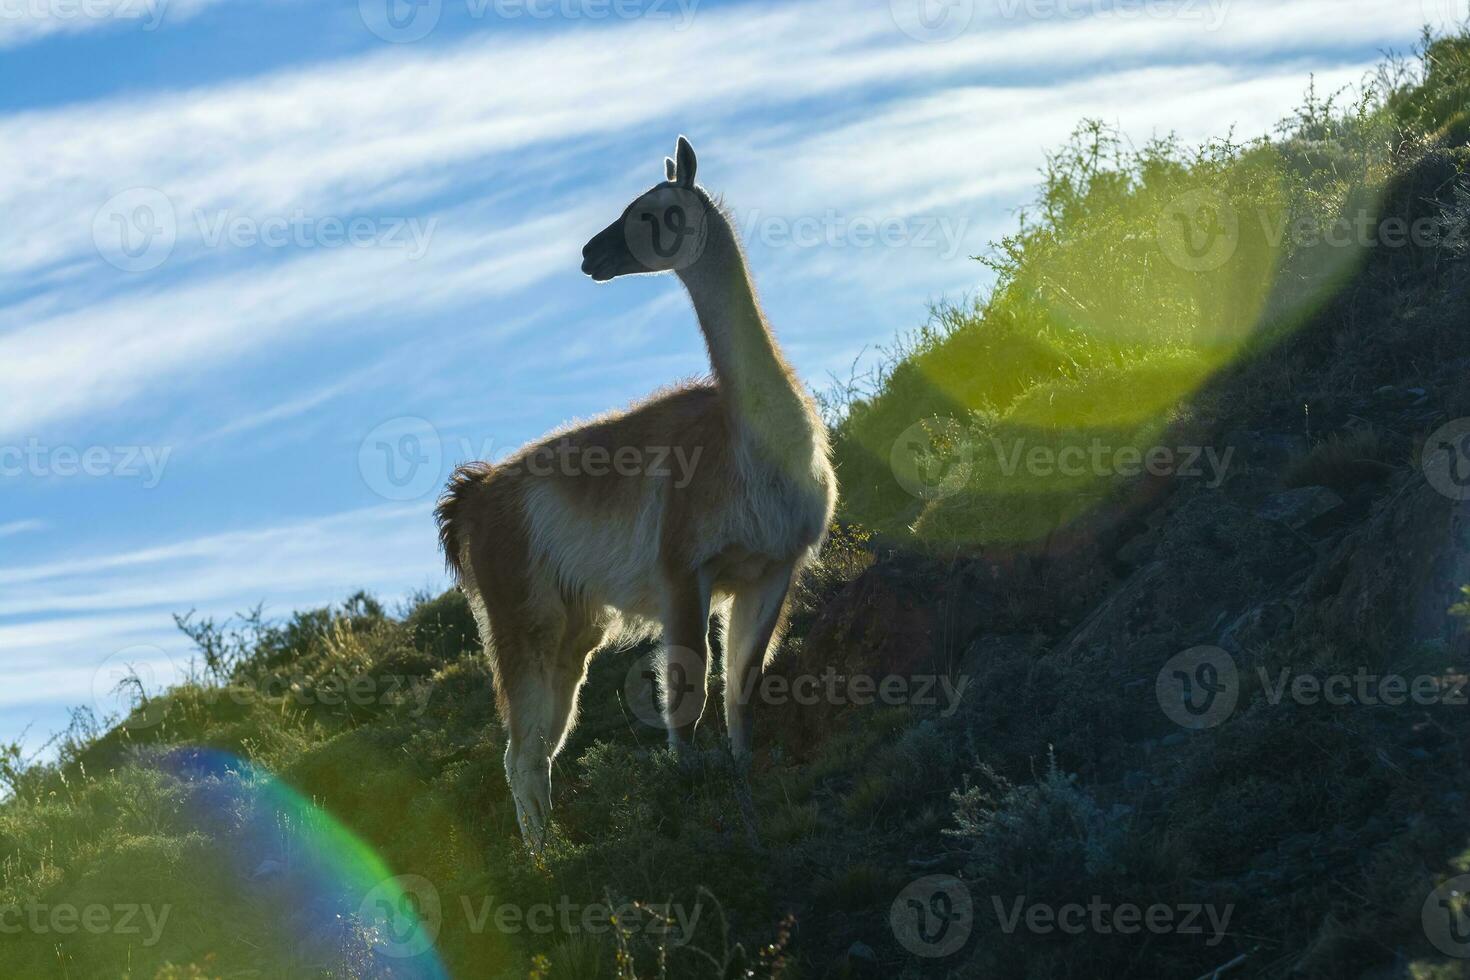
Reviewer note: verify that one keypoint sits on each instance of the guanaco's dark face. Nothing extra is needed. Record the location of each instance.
(663, 229)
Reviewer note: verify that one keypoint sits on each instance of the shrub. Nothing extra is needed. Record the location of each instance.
(1024, 836)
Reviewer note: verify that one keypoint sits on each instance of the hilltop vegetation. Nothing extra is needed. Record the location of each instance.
(328, 792)
(1138, 278)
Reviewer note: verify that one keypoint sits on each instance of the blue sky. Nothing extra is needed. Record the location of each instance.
(274, 266)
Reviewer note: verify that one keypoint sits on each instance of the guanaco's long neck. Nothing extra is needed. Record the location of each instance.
(760, 390)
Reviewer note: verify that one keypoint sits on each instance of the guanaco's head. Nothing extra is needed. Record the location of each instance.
(665, 228)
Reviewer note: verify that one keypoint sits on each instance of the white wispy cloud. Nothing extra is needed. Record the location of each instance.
(20, 527)
(80, 612)
(291, 553)
(25, 21)
(394, 125)
(101, 355)
(380, 133)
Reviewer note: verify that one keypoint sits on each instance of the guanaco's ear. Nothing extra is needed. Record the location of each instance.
(687, 164)
(669, 169)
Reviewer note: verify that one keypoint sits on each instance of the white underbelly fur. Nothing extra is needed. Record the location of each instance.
(615, 563)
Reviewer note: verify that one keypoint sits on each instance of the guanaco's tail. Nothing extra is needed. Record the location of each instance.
(462, 483)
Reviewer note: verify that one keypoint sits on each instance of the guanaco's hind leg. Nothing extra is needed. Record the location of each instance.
(685, 672)
(754, 616)
(542, 678)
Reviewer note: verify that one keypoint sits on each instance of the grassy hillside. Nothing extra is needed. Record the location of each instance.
(1141, 274)
(326, 797)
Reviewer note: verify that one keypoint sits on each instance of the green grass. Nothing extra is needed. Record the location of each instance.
(1099, 329)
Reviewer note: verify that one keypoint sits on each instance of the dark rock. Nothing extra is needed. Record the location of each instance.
(1393, 580)
(1138, 551)
(1413, 195)
(905, 617)
(1425, 735)
(1256, 626)
(941, 862)
(909, 616)
(1215, 558)
(1422, 191)
(998, 645)
(1301, 508)
(1265, 450)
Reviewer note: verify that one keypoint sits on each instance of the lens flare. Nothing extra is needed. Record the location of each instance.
(1080, 387)
(333, 900)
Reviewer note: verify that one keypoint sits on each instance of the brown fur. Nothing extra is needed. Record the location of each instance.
(484, 505)
(638, 521)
